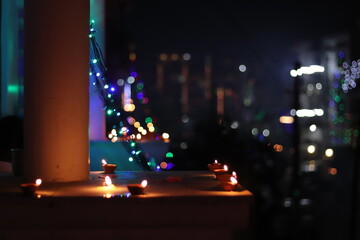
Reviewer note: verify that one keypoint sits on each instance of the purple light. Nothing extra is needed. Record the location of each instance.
(341, 55)
(169, 166)
(140, 95)
(331, 103)
(133, 74)
(112, 89)
(337, 75)
(335, 84)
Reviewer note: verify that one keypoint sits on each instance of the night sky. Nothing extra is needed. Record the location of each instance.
(263, 35)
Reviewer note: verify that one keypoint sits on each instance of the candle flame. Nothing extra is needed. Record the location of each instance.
(108, 181)
(38, 182)
(103, 162)
(226, 168)
(234, 174)
(233, 180)
(215, 161)
(144, 183)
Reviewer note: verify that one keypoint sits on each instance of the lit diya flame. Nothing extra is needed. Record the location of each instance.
(233, 180)
(216, 161)
(108, 181)
(144, 183)
(226, 168)
(234, 174)
(103, 162)
(38, 182)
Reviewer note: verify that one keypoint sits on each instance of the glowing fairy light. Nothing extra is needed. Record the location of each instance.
(165, 135)
(118, 99)
(351, 75)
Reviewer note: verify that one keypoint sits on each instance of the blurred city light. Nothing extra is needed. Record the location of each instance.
(329, 152)
(309, 112)
(286, 119)
(242, 68)
(186, 56)
(266, 132)
(307, 70)
(312, 127)
(311, 149)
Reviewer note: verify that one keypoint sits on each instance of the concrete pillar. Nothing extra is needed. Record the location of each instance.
(56, 90)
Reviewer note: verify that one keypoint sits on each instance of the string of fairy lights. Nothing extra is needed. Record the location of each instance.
(345, 80)
(119, 105)
(351, 73)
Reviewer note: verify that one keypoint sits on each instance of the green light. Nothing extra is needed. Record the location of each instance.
(94, 60)
(140, 86)
(336, 98)
(92, 21)
(109, 112)
(90, 35)
(342, 107)
(169, 155)
(347, 133)
(148, 120)
(132, 144)
(149, 163)
(138, 152)
(131, 159)
(356, 133)
(13, 88)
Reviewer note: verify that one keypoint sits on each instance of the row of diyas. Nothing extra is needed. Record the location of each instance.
(134, 189)
(228, 181)
(30, 188)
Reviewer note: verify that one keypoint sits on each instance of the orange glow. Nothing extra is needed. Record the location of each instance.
(38, 182)
(174, 57)
(163, 57)
(286, 119)
(144, 183)
(108, 195)
(163, 165)
(226, 168)
(132, 56)
(333, 171)
(278, 148)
